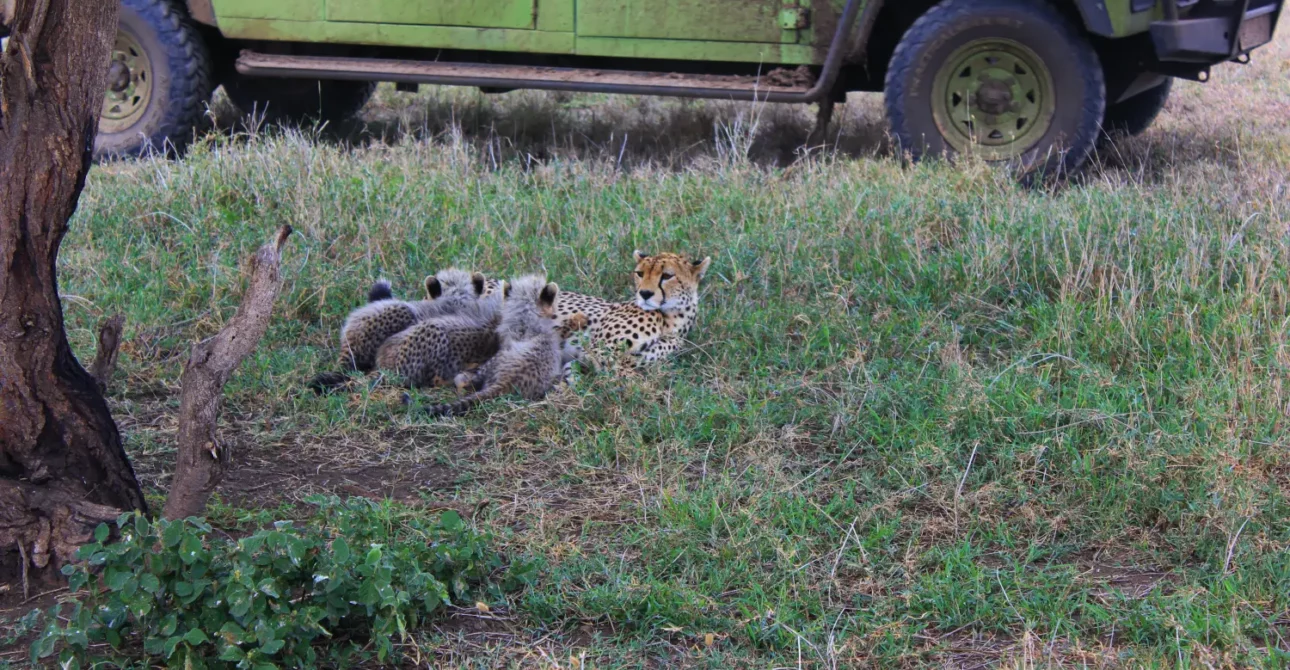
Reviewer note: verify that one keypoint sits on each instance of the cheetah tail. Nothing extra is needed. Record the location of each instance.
(462, 406)
(380, 290)
(328, 381)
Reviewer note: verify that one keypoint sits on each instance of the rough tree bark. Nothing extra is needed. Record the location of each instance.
(104, 364)
(202, 461)
(62, 466)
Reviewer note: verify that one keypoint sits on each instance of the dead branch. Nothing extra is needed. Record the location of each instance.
(109, 345)
(202, 461)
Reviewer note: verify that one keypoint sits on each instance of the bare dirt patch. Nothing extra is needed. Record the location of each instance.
(262, 484)
(1129, 581)
(1112, 575)
(966, 650)
(270, 467)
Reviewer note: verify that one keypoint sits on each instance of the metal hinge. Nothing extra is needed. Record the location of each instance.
(794, 18)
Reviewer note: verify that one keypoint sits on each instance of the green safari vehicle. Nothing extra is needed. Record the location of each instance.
(1033, 83)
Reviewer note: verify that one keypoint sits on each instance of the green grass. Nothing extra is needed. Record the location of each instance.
(929, 417)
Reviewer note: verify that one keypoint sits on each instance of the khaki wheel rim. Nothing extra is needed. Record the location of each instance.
(994, 98)
(129, 87)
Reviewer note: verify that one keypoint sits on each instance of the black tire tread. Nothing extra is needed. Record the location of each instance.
(944, 16)
(1133, 116)
(189, 62)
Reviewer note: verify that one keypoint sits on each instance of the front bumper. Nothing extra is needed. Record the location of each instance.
(1214, 31)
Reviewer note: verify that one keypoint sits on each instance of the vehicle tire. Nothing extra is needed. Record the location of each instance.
(158, 81)
(298, 101)
(1008, 80)
(1133, 116)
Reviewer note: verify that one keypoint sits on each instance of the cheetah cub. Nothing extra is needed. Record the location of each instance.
(369, 326)
(432, 352)
(532, 356)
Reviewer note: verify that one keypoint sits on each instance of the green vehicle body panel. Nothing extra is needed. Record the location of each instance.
(1116, 18)
(556, 16)
(446, 37)
(711, 20)
(515, 14)
(754, 31)
(1125, 22)
(291, 10)
(702, 51)
(789, 32)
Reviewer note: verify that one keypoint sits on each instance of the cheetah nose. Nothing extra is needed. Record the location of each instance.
(646, 294)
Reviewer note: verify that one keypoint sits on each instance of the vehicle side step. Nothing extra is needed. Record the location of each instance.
(777, 86)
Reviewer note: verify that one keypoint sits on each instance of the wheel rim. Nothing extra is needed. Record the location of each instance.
(993, 97)
(129, 87)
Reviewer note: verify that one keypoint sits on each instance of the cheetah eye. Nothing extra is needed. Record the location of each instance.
(667, 276)
(640, 274)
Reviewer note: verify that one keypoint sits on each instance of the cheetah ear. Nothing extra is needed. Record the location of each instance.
(701, 267)
(640, 255)
(433, 288)
(549, 292)
(479, 281)
(506, 289)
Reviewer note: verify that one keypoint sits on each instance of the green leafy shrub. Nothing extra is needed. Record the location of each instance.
(338, 588)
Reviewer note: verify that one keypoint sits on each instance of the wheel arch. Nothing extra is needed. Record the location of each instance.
(1095, 16)
(869, 61)
(202, 11)
(895, 18)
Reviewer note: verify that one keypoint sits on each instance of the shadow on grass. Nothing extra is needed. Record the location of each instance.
(536, 127)
(628, 131)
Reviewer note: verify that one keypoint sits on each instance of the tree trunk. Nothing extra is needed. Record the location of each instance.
(62, 466)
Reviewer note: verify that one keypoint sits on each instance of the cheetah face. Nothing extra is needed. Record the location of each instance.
(528, 307)
(666, 282)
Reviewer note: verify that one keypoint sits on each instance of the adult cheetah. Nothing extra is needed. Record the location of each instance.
(651, 327)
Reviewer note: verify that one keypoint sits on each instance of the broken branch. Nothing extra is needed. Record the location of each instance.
(201, 461)
(109, 345)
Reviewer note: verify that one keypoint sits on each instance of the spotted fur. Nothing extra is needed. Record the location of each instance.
(654, 324)
(531, 357)
(367, 327)
(433, 351)
(569, 332)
